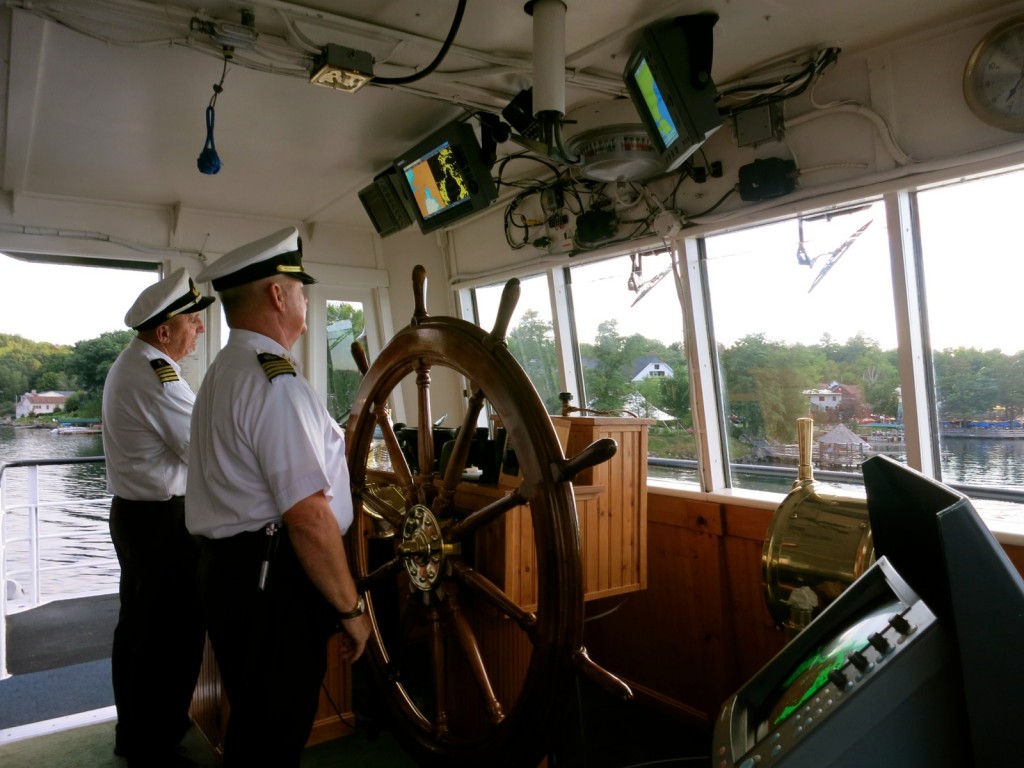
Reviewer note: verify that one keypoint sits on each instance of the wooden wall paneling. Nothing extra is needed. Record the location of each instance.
(757, 637)
(615, 542)
(1016, 555)
(209, 709)
(588, 510)
(669, 641)
(334, 717)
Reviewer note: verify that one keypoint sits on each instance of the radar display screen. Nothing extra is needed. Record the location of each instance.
(812, 673)
(437, 181)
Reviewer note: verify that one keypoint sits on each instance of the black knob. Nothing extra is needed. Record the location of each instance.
(901, 625)
(839, 680)
(859, 660)
(879, 642)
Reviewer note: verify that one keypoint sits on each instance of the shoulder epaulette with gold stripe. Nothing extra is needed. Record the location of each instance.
(164, 370)
(275, 365)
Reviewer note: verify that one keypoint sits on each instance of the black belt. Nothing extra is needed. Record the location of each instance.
(262, 543)
(140, 503)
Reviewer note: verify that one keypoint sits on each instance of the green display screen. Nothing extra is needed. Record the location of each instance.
(812, 673)
(655, 102)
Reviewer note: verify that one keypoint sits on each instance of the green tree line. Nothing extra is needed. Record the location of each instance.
(763, 380)
(81, 368)
(40, 366)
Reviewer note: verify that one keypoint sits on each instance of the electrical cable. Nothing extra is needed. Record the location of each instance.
(456, 22)
(786, 87)
(881, 124)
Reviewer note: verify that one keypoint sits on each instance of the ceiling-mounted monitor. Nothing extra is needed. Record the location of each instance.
(445, 177)
(668, 76)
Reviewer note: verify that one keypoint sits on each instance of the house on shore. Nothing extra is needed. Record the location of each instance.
(651, 367)
(39, 403)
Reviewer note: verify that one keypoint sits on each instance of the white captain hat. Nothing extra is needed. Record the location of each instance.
(174, 295)
(276, 254)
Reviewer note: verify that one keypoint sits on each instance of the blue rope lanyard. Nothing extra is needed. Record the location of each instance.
(208, 161)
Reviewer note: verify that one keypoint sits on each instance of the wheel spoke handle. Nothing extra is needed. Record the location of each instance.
(597, 452)
(609, 682)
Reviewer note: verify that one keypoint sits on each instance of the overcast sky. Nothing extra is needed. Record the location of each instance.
(62, 304)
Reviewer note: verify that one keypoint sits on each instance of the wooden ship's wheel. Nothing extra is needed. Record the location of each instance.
(467, 674)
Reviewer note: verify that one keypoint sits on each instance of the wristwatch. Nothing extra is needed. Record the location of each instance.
(356, 612)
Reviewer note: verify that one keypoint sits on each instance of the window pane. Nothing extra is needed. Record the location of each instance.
(629, 327)
(44, 300)
(973, 267)
(531, 336)
(344, 324)
(50, 301)
(803, 319)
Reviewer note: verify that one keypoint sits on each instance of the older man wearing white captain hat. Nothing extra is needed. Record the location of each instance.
(272, 504)
(147, 408)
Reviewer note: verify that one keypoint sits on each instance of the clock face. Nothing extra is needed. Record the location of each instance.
(994, 76)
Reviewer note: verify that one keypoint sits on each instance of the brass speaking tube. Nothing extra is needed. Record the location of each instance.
(818, 543)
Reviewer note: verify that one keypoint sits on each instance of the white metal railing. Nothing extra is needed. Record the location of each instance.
(30, 503)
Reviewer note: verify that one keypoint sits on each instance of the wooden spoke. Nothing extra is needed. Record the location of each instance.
(471, 650)
(481, 517)
(463, 441)
(489, 590)
(424, 427)
(379, 575)
(440, 672)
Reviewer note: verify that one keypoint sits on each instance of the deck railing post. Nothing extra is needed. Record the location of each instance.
(3, 573)
(33, 529)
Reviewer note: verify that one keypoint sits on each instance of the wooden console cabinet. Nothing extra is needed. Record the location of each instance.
(613, 531)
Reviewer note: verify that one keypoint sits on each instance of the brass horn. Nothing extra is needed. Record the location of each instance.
(818, 543)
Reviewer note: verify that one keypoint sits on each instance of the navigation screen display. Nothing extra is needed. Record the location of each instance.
(812, 673)
(655, 102)
(437, 181)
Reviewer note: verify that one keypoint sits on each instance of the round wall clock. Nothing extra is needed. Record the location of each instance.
(994, 76)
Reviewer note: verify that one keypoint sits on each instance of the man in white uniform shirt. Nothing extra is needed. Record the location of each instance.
(147, 408)
(272, 504)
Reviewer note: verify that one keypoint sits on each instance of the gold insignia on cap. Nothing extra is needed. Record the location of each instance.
(164, 370)
(275, 365)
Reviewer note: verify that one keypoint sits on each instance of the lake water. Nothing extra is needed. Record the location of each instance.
(76, 533)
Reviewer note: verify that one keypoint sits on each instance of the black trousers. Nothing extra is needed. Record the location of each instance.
(270, 645)
(158, 641)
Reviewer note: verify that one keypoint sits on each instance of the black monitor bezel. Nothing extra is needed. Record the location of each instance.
(482, 192)
(665, 50)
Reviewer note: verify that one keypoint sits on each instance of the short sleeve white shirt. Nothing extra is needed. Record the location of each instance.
(260, 444)
(146, 415)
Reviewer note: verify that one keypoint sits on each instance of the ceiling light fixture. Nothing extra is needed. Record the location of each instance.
(227, 33)
(341, 68)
